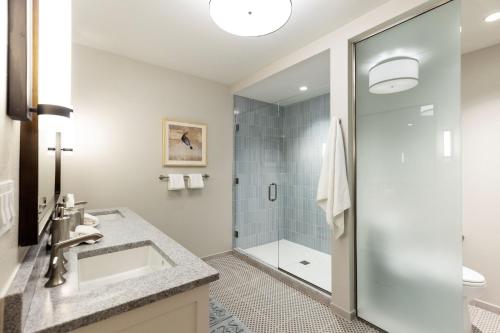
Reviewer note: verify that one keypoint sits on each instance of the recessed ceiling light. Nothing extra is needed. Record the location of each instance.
(492, 18)
(303, 88)
(250, 18)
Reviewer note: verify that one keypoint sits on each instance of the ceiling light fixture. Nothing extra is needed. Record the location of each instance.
(492, 17)
(250, 18)
(393, 75)
(303, 88)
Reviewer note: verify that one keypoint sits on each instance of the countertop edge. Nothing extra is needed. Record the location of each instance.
(123, 308)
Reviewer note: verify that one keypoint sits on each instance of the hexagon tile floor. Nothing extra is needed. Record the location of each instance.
(267, 305)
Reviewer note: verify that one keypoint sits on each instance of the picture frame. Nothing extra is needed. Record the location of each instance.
(184, 144)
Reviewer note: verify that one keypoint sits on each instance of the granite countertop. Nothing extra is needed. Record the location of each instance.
(66, 308)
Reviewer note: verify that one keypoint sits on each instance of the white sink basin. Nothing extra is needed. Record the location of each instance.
(113, 267)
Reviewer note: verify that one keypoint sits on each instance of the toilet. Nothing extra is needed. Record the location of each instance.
(473, 284)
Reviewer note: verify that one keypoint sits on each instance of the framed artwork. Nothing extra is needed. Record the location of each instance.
(184, 144)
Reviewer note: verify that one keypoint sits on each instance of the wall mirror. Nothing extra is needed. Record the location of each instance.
(48, 142)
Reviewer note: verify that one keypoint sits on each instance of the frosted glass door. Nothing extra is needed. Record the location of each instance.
(408, 161)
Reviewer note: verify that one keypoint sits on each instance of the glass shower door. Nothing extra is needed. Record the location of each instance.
(257, 171)
(408, 161)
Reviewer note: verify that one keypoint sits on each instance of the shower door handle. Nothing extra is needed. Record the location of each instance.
(269, 191)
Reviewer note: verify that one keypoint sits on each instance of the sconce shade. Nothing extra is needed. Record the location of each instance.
(393, 75)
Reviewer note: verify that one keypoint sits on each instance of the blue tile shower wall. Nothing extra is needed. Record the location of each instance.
(305, 130)
(284, 146)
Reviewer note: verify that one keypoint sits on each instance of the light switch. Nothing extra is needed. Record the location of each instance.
(7, 211)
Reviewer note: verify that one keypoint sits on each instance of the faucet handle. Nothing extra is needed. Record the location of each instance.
(81, 203)
(74, 241)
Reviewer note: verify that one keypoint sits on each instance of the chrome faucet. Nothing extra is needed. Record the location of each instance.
(57, 268)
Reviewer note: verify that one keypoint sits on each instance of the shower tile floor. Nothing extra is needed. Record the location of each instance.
(267, 305)
(290, 255)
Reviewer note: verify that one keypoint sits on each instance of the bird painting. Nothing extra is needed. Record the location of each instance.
(186, 140)
(184, 143)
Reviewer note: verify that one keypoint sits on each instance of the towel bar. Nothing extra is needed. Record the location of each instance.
(162, 177)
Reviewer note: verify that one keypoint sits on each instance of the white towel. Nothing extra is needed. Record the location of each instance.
(91, 220)
(195, 180)
(176, 182)
(333, 188)
(83, 230)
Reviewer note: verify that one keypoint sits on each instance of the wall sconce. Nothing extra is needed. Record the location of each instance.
(447, 145)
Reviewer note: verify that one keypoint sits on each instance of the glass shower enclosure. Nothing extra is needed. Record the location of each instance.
(278, 152)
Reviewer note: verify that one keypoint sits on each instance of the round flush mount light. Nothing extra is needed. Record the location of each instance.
(303, 88)
(250, 18)
(492, 18)
(393, 75)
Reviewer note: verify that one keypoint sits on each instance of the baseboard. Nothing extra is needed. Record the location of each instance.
(486, 306)
(348, 315)
(217, 255)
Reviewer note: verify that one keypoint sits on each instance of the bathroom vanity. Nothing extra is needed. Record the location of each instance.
(136, 279)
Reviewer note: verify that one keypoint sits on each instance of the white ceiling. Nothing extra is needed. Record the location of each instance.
(179, 34)
(477, 34)
(283, 87)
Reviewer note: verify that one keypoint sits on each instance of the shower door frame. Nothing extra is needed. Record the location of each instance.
(421, 10)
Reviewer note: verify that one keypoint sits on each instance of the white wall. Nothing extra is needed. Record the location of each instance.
(481, 166)
(119, 105)
(11, 255)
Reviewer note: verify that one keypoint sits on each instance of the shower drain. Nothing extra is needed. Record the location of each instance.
(305, 262)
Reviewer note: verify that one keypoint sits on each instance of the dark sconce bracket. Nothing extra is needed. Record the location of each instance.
(62, 149)
(51, 109)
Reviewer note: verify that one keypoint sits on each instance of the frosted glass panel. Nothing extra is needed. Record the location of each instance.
(409, 223)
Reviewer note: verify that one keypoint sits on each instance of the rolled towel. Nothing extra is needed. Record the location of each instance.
(176, 182)
(195, 180)
(91, 220)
